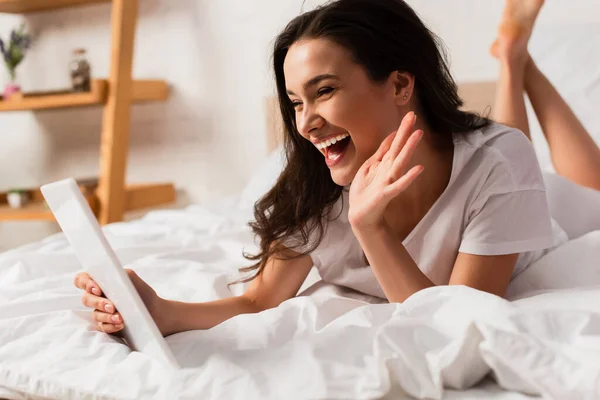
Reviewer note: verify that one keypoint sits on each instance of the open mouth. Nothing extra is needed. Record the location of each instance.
(334, 148)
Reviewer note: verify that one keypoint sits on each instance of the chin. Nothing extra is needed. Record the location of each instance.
(342, 177)
(344, 171)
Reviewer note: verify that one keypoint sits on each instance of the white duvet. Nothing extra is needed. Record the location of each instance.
(328, 343)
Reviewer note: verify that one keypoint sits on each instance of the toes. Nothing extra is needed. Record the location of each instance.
(494, 49)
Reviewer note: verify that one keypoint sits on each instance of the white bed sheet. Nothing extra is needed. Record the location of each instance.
(329, 343)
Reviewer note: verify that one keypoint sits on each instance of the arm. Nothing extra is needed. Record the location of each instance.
(280, 280)
(487, 273)
(395, 270)
(378, 181)
(400, 277)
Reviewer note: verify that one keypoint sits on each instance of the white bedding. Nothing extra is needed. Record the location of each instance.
(327, 344)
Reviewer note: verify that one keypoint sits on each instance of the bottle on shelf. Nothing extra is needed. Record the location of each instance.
(80, 71)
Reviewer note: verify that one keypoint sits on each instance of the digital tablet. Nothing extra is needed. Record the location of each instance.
(98, 259)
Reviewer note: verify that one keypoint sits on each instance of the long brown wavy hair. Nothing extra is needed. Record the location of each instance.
(382, 36)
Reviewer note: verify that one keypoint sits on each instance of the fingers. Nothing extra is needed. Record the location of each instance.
(81, 280)
(384, 146)
(107, 321)
(107, 318)
(105, 314)
(404, 182)
(404, 132)
(110, 328)
(98, 303)
(394, 142)
(402, 160)
(85, 282)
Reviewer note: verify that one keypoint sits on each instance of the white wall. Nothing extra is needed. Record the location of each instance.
(208, 137)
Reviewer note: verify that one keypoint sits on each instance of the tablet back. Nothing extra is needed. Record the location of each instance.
(83, 232)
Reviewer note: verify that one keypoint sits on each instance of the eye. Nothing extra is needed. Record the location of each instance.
(324, 91)
(296, 104)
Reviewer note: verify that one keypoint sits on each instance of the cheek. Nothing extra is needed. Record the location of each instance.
(367, 134)
(354, 117)
(367, 118)
(373, 127)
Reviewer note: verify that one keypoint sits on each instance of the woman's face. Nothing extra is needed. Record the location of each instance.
(335, 101)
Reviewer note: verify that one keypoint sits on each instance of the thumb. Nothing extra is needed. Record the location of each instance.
(131, 273)
(134, 277)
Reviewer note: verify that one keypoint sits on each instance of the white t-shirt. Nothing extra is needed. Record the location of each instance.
(495, 203)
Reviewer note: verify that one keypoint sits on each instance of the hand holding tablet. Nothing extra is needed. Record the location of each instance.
(81, 229)
(105, 313)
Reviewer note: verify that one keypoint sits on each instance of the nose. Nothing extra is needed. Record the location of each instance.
(309, 121)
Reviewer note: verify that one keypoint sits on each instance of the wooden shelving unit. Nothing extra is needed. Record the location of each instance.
(31, 212)
(111, 197)
(136, 197)
(97, 95)
(36, 208)
(142, 91)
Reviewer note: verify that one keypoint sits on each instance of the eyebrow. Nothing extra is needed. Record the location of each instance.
(314, 81)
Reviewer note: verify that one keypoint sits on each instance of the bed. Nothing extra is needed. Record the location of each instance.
(327, 343)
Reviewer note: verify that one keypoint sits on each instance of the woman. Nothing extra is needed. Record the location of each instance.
(448, 197)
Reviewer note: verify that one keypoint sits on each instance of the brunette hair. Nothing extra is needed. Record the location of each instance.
(382, 36)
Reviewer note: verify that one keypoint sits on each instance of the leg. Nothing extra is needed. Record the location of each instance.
(509, 107)
(511, 50)
(575, 154)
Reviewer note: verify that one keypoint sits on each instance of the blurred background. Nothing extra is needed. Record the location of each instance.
(210, 135)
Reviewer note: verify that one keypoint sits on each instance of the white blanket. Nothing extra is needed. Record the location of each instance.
(329, 343)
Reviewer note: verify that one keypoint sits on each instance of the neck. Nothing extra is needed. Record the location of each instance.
(437, 158)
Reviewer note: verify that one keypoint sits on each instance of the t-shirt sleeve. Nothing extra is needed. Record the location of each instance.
(509, 223)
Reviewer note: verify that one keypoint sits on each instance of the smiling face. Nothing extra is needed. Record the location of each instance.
(338, 107)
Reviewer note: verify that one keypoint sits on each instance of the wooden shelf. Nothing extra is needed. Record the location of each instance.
(143, 90)
(97, 95)
(137, 197)
(141, 196)
(35, 211)
(149, 90)
(27, 6)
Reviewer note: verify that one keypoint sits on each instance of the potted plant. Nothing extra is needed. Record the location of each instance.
(17, 198)
(13, 52)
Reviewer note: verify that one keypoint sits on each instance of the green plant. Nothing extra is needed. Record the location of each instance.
(13, 52)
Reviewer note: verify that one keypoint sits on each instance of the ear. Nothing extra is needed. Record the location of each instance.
(404, 86)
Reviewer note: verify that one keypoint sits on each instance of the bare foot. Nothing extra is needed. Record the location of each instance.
(515, 29)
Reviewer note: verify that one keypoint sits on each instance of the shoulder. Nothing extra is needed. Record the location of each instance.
(506, 208)
(502, 157)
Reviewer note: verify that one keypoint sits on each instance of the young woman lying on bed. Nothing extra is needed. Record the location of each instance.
(389, 187)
